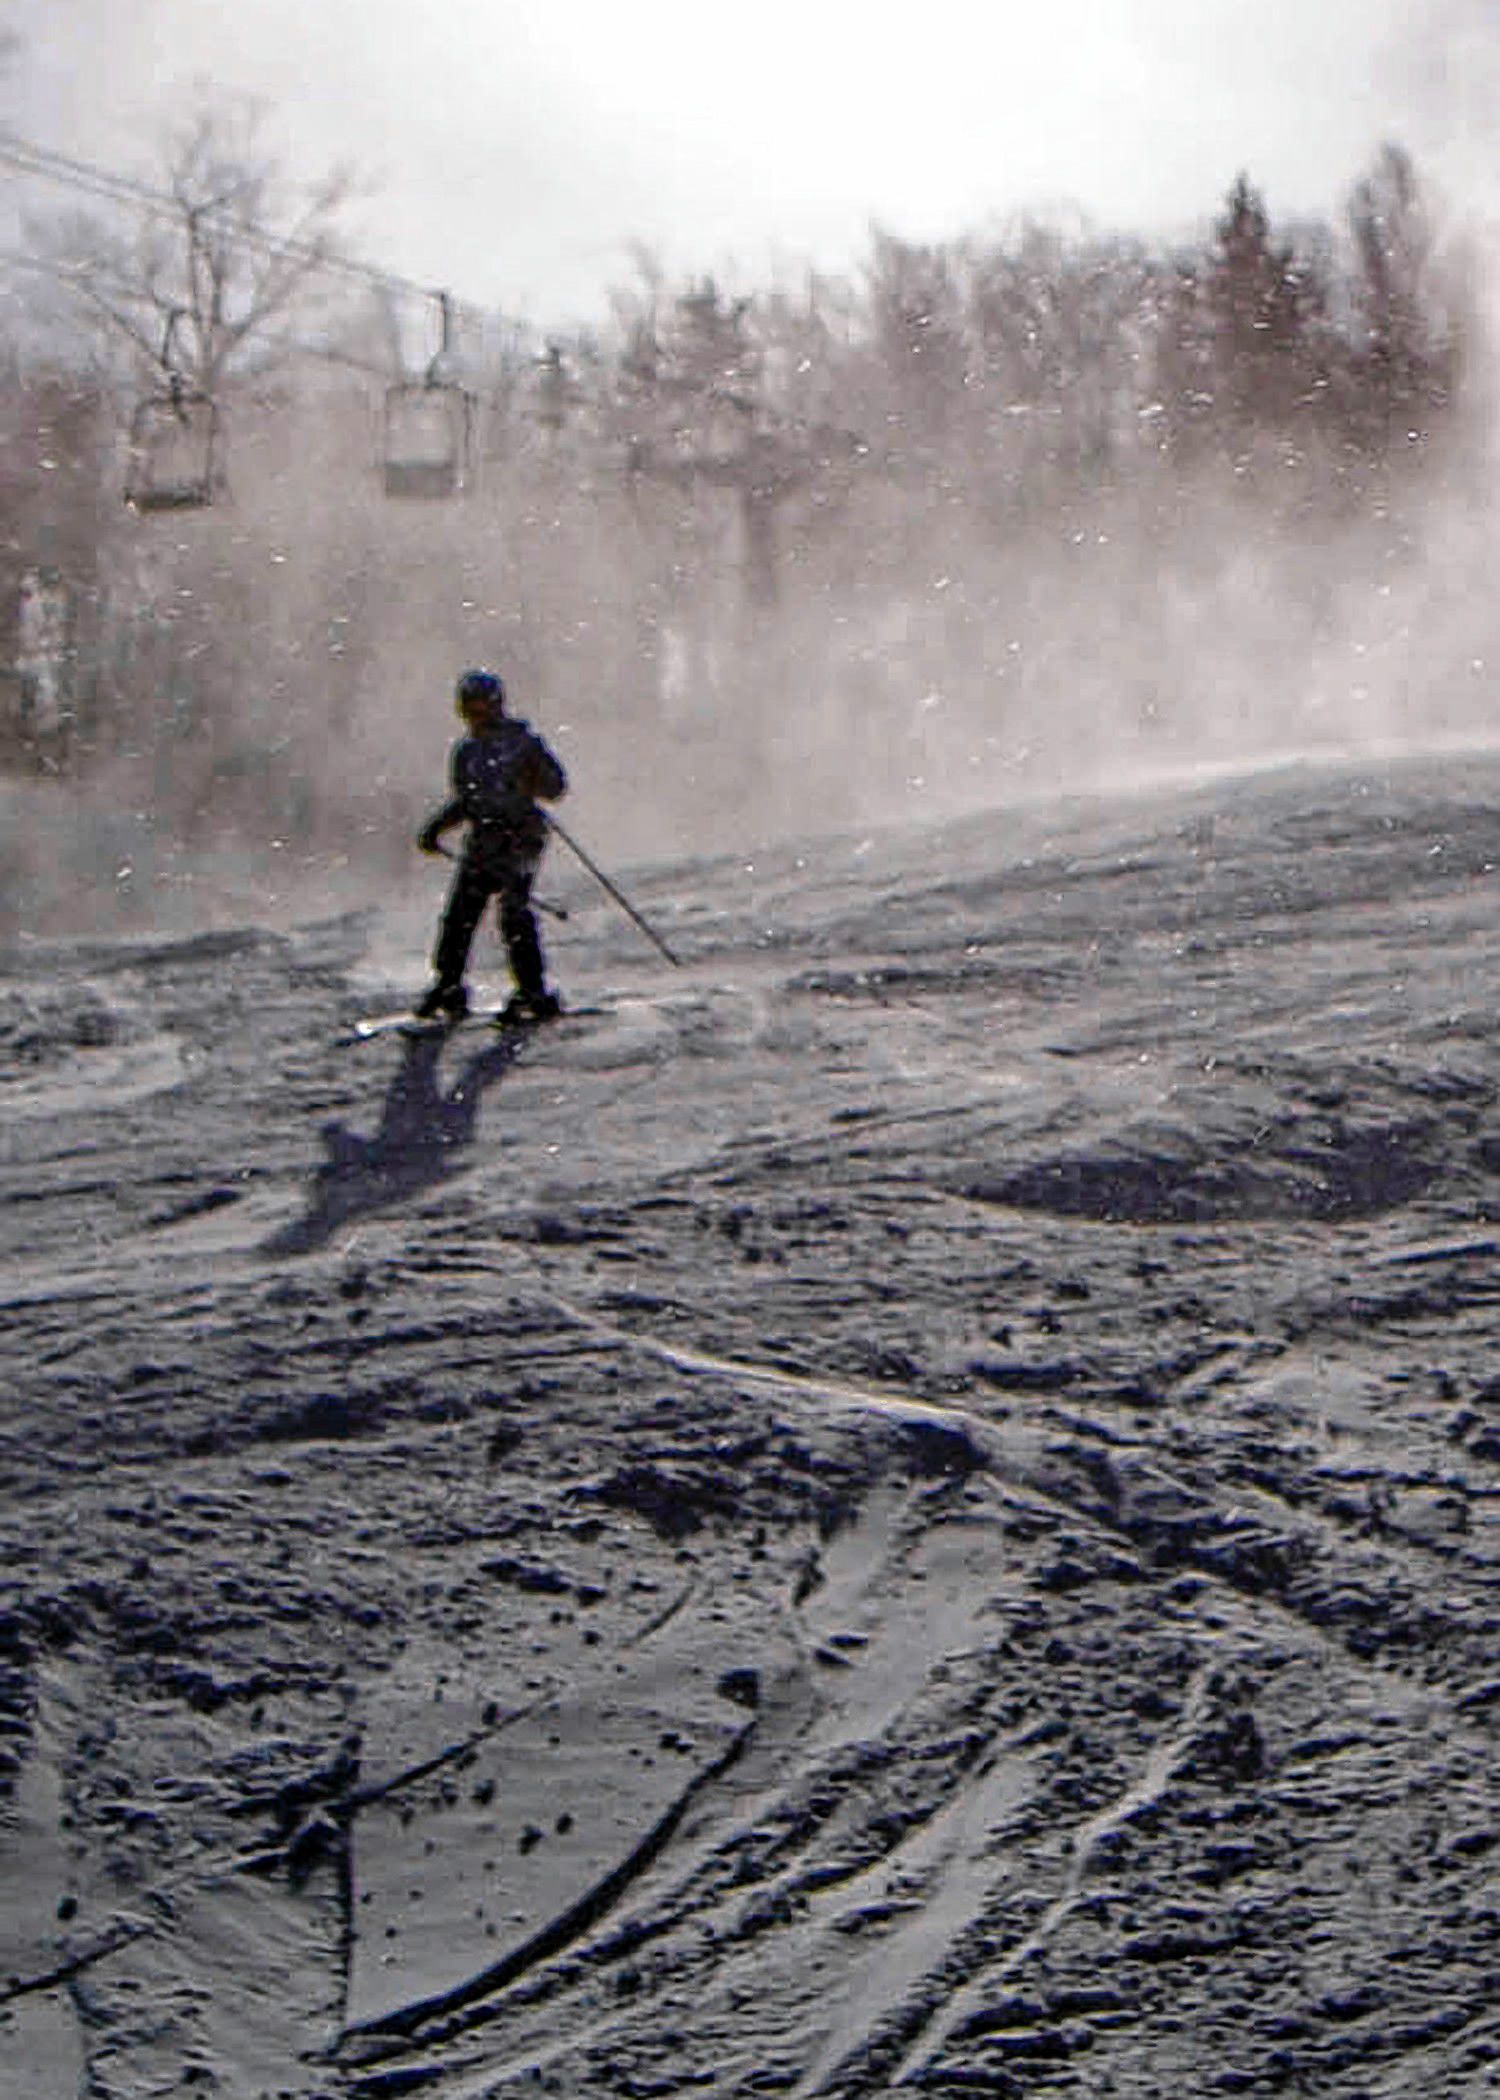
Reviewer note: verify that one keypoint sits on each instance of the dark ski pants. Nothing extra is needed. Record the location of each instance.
(508, 881)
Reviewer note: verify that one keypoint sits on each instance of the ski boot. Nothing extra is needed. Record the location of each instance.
(523, 1008)
(442, 1002)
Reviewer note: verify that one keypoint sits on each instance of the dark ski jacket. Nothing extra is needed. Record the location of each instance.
(497, 781)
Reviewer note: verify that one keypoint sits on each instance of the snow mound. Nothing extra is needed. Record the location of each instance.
(73, 1040)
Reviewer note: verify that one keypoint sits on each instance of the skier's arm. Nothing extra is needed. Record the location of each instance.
(429, 838)
(540, 774)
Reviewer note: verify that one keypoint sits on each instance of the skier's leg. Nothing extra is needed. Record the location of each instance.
(468, 894)
(523, 941)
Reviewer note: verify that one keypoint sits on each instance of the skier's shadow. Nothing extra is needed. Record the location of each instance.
(423, 1135)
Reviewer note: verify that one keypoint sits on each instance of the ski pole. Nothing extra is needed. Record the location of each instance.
(619, 896)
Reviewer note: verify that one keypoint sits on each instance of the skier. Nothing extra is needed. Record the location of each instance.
(499, 770)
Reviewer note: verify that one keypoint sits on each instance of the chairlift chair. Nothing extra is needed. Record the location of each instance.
(428, 438)
(174, 451)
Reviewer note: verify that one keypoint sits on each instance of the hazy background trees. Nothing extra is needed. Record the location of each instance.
(1026, 508)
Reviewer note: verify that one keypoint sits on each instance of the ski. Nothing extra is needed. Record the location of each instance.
(411, 1026)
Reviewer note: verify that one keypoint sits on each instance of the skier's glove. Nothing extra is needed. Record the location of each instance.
(430, 838)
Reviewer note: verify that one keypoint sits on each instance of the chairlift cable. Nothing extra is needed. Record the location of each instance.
(29, 159)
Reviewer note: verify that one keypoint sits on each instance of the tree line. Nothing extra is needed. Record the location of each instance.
(832, 545)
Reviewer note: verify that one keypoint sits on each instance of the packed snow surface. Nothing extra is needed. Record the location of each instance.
(908, 1505)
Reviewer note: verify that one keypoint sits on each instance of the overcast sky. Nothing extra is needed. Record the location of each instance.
(516, 148)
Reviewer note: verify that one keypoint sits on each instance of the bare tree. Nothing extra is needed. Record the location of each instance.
(1061, 324)
(915, 301)
(219, 253)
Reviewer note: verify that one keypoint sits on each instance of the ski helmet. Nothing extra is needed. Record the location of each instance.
(482, 690)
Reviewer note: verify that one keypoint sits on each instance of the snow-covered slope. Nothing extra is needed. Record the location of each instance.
(911, 1504)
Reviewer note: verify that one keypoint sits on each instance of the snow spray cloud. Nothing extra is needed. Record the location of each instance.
(1032, 510)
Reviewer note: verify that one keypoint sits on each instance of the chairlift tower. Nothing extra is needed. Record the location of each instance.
(759, 467)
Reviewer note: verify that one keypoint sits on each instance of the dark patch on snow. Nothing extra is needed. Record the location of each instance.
(46, 1026)
(194, 1207)
(316, 1418)
(941, 1450)
(675, 1500)
(1352, 1172)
